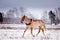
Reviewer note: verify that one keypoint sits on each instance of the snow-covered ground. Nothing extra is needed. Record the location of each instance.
(10, 34)
(16, 34)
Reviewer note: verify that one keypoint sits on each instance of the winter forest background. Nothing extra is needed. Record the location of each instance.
(13, 15)
(13, 10)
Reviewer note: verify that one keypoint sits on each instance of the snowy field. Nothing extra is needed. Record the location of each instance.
(16, 34)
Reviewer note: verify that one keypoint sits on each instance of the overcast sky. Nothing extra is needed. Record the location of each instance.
(30, 3)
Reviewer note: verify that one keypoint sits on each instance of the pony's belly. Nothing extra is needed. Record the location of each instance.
(35, 25)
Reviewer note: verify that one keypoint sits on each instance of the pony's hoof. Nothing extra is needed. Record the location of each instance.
(22, 36)
(33, 35)
(36, 34)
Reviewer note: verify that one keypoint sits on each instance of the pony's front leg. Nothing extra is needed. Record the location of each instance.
(31, 31)
(25, 31)
(38, 31)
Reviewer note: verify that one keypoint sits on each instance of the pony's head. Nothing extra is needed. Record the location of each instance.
(25, 19)
(22, 19)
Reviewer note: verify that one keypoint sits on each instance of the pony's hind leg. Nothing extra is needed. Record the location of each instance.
(31, 31)
(25, 31)
(38, 31)
(43, 31)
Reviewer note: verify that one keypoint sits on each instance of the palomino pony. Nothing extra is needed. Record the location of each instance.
(33, 23)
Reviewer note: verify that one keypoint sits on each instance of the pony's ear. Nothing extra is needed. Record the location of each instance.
(24, 15)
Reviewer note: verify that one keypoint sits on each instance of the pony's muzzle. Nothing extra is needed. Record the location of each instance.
(21, 22)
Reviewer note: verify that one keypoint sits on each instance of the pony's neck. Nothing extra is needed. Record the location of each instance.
(28, 20)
